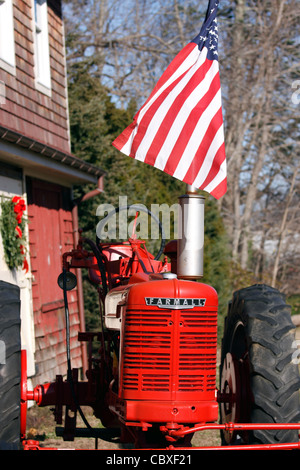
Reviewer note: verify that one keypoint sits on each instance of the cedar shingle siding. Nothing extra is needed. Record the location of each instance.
(27, 110)
(35, 118)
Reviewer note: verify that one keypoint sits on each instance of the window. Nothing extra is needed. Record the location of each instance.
(7, 41)
(43, 78)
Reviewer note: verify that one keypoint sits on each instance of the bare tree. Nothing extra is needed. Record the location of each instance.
(128, 45)
(288, 217)
(260, 121)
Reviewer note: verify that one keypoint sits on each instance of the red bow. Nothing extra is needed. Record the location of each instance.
(19, 209)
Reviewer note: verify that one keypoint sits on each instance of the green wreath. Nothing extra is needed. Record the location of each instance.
(12, 226)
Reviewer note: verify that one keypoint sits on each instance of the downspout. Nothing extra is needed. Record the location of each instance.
(89, 195)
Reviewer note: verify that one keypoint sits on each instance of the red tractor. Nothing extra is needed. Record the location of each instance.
(153, 381)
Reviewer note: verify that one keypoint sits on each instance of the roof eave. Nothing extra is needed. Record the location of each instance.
(43, 155)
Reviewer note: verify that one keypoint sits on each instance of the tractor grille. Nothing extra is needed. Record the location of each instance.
(169, 352)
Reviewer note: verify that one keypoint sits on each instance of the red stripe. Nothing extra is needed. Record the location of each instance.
(189, 127)
(177, 104)
(200, 155)
(217, 162)
(121, 140)
(220, 190)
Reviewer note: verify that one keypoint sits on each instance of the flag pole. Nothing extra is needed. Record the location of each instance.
(191, 189)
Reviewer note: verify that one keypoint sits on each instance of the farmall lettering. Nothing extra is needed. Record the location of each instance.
(173, 303)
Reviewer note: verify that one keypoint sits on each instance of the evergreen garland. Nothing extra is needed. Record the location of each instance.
(12, 226)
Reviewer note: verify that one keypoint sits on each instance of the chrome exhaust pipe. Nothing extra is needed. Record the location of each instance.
(190, 242)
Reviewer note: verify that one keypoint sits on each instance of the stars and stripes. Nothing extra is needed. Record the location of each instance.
(179, 129)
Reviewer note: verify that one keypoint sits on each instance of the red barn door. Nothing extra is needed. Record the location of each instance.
(50, 235)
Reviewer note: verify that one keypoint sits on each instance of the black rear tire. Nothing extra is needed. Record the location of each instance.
(259, 336)
(10, 366)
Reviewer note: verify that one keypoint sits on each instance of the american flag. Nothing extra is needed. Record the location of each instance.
(179, 129)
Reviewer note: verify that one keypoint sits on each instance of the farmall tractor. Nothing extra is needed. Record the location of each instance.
(153, 381)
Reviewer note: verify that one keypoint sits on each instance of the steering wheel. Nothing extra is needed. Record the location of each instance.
(138, 208)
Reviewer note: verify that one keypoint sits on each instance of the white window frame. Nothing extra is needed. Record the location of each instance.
(41, 47)
(7, 37)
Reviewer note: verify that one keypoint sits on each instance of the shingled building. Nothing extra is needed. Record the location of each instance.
(36, 164)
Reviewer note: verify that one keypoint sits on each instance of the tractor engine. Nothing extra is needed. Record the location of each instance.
(167, 356)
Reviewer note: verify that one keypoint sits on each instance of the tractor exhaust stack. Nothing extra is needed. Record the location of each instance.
(190, 242)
